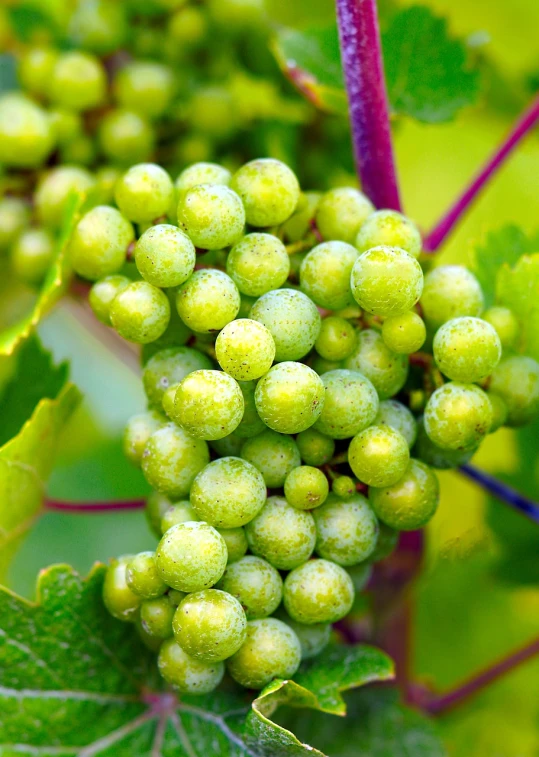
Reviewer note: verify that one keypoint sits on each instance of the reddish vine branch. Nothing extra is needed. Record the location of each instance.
(55, 505)
(361, 54)
(445, 225)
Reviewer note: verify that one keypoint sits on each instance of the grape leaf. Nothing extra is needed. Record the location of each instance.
(67, 663)
(29, 19)
(518, 288)
(427, 74)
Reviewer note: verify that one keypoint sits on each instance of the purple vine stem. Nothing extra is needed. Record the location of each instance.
(502, 491)
(445, 225)
(361, 54)
(55, 505)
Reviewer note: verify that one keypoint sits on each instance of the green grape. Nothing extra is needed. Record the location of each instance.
(379, 455)
(435, 456)
(208, 301)
(210, 625)
(292, 319)
(411, 502)
(398, 417)
(516, 381)
(386, 281)
(32, 254)
(271, 650)
(346, 531)
(126, 137)
(343, 486)
(299, 223)
(322, 366)
(211, 215)
(228, 446)
(350, 404)
(26, 134)
(325, 274)
(103, 293)
(506, 324)
(169, 367)
(251, 423)
(201, 173)
(99, 243)
(180, 512)
(337, 339)
(281, 534)
(313, 639)
(340, 213)
(450, 291)
(306, 487)
(235, 15)
(35, 69)
(186, 674)
(245, 349)
(172, 459)
(153, 643)
(144, 87)
(386, 370)
(211, 112)
(138, 431)
(256, 584)
(99, 26)
(194, 148)
(78, 81)
(140, 313)
(467, 349)
(67, 126)
(156, 617)
(208, 404)
(405, 333)
(319, 591)
(176, 334)
(191, 556)
(385, 544)
(144, 193)
(360, 575)
(14, 217)
(142, 576)
(458, 416)
(119, 599)
(55, 190)
(228, 492)
(315, 448)
(258, 263)
(273, 454)
(80, 150)
(187, 28)
(165, 256)
(290, 397)
(175, 597)
(500, 412)
(389, 228)
(236, 543)
(156, 506)
(269, 191)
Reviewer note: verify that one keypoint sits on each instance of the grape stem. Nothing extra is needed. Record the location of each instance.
(502, 491)
(55, 505)
(361, 54)
(445, 225)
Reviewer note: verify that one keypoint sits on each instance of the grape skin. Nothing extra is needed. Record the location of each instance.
(387, 227)
(516, 381)
(386, 370)
(191, 556)
(212, 215)
(269, 191)
(450, 291)
(319, 591)
(207, 301)
(467, 349)
(140, 313)
(172, 459)
(165, 256)
(325, 274)
(411, 502)
(290, 397)
(245, 349)
(258, 263)
(458, 416)
(386, 281)
(346, 531)
(168, 367)
(256, 584)
(188, 675)
(208, 404)
(340, 213)
(350, 404)
(378, 456)
(273, 454)
(99, 243)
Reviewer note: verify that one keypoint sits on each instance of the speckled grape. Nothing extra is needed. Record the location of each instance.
(411, 502)
(208, 404)
(325, 274)
(140, 313)
(386, 281)
(172, 459)
(340, 213)
(245, 349)
(350, 404)
(405, 333)
(269, 191)
(387, 227)
(191, 556)
(386, 370)
(208, 300)
(99, 242)
(467, 349)
(319, 591)
(165, 256)
(168, 367)
(212, 215)
(346, 530)
(450, 291)
(256, 584)
(186, 674)
(273, 454)
(306, 487)
(378, 455)
(458, 416)
(258, 263)
(336, 340)
(290, 397)
(516, 381)
(398, 417)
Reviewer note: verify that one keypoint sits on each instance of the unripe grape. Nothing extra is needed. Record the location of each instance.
(144, 193)
(350, 404)
(99, 26)
(14, 217)
(78, 81)
(176, 597)
(35, 69)
(290, 397)
(245, 349)
(55, 189)
(140, 313)
(313, 639)
(258, 263)
(271, 650)
(386, 281)
(506, 324)
(26, 135)
(191, 556)
(119, 599)
(99, 243)
(81, 150)
(325, 274)
(211, 215)
(236, 15)
(157, 505)
(379, 455)
(315, 448)
(306, 487)
(106, 178)
(208, 301)
(467, 349)
(516, 381)
(269, 191)
(343, 486)
(138, 430)
(211, 111)
(281, 534)
(144, 87)
(404, 333)
(256, 584)
(500, 412)
(251, 424)
(32, 255)
(67, 126)
(142, 576)
(386, 370)
(458, 416)
(319, 591)
(450, 291)
(336, 340)
(187, 28)
(186, 674)
(165, 256)
(398, 417)
(385, 544)
(236, 543)
(156, 617)
(172, 459)
(411, 502)
(210, 625)
(299, 224)
(346, 531)
(103, 293)
(126, 137)
(179, 512)
(273, 454)
(208, 404)
(436, 457)
(387, 227)
(340, 213)
(292, 319)
(228, 446)
(168, 367)
(201, 173)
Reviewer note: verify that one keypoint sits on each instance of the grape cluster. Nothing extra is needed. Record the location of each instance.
(295, 411)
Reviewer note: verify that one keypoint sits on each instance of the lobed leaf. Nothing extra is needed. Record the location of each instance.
(517, 288)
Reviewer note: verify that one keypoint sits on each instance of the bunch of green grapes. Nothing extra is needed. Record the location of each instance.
(282, 435)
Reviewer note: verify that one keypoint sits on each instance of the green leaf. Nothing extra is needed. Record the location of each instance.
(66, 662)
(29, 19)
(517, 288)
